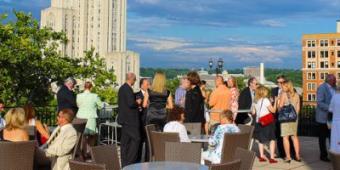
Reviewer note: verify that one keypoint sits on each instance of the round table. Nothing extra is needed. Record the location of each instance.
(199, 138)
(166, 165)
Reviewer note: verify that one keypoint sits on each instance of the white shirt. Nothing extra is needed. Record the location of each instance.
(175, 126)
(262, 111)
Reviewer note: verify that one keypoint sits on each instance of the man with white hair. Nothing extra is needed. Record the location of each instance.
(129, 118)
(324, 95)
(66, 98)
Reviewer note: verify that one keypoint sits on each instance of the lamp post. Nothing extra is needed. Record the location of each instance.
(211, 63)
(219, 66)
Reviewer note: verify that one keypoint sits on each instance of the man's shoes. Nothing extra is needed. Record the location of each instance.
(325, 159)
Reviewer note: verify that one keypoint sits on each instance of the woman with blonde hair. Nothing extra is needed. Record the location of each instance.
(264, 132)
(289, 129)
(160, 99)
(15, 126)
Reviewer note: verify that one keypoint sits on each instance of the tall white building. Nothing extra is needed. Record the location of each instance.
(100, 24)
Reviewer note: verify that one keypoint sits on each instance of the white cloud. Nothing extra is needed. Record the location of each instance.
(148, 1)
(160, 44)
(272, 23)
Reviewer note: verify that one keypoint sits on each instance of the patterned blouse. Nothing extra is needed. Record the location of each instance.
(216, 141)
(234, 101)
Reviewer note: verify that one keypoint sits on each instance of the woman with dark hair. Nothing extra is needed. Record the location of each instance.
(31, 120)
(175, 124)
(194, 101)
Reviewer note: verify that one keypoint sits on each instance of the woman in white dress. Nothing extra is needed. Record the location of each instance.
(334, 108)
(175, 124)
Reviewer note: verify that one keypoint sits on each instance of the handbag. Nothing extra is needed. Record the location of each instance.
(266, 119)
(287, 113)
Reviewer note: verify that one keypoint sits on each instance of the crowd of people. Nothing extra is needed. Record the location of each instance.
(218, 110)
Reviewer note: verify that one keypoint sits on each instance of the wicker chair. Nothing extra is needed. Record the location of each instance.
(183, 152)
(247, 158)
(247, 129)
(79, 125)
(148, 130)
(77, 165)
(106, 154)
(76, 154)
(193, 128)
(233, 165)
(17, 155)
(158, 143)
(335, 157)
(230, 142)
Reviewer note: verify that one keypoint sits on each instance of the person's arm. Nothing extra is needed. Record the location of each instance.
(320, 97)
(212, 99)
(297, 108)
(170, 103)
(41, 129)
(99, 103)
(183, 134)
(64, 148)
(146, 100)
(282, 99)
(214, 139)
(270, 108)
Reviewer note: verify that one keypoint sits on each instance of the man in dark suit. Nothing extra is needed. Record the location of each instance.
(143, 94)
(129, 118)
(66, 98)
(275, 92)
(246, 100)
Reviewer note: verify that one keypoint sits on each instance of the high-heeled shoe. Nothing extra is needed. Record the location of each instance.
(272, 161)
(298, 160)
(261, 159)
(287, 161)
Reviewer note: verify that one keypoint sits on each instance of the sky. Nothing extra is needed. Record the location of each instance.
(188, 33)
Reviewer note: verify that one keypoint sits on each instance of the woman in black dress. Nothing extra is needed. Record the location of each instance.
(160, 99)
(194, 101)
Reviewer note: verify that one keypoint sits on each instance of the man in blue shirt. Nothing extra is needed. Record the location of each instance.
(180, 92)
(324, 95)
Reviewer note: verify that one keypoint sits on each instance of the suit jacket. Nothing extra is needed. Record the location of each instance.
(88, 104)
(194, 105)
(60, 149)
(324, 97)
(245, 100)
(128, 114)
(66, 99)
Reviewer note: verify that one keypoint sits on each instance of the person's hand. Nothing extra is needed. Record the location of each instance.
(139, 101)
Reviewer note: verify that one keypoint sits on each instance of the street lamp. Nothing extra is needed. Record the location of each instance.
(220, 65)
(211, 63)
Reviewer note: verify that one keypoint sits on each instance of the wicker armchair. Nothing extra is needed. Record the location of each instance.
(183, 152)
(158, 143)
(193, 128)
(77, 165)
(106, 154)
(247, 129)
(233, 165)
(79, 125)
(230, 142)
(247, 158)
(335, 157)
(148, 130)
(17, 155)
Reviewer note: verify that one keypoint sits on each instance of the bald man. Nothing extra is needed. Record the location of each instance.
(129, 118)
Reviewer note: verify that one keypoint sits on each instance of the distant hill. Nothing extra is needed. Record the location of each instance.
(270, 73)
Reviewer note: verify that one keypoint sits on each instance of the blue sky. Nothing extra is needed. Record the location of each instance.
(187, 33)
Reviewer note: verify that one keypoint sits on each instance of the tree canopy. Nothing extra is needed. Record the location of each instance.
(30, 61)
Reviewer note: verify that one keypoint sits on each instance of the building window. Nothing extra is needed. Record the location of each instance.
(311, 43)
(311, 97)
(338, 53)
(338, 42)
(324, 64)
(324, 54)
(323, 76)
(311, 76)
(309, 86)
(338, 64)
(324, 43)
(338, 75)
(311, 54)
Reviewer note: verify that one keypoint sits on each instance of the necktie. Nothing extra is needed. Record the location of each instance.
(54, 137)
